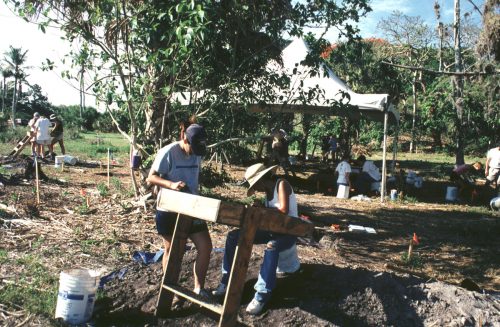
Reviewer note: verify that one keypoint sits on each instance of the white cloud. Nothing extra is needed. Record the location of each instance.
(388, 6)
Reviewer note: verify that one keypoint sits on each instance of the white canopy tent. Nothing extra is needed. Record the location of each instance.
(328, 88)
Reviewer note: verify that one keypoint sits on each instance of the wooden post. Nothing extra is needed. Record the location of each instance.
(108, 167)
(239, 269)
(173, 268)
(37, 182)
(410, 250)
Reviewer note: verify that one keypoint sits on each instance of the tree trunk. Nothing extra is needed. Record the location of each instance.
(458, 85)
(3, 95)
(82, 97)
(14, 96)
(306, 127)
(413, 146)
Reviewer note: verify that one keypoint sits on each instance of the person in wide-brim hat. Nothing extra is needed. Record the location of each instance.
(254, 174)
(279, 196)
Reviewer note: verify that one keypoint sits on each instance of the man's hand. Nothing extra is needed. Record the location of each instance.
(177, 185)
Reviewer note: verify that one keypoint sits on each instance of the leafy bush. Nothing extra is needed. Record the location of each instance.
(210, 177)
(10, 135)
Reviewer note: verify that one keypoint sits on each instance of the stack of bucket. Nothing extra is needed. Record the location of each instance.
(76, 297)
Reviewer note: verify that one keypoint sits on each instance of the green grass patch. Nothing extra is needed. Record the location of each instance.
(103, 189)
(3, 256)
(415, 261)
(34, 288)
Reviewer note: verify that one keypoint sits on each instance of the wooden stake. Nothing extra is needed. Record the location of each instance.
(410, 250)
(108, 167)
(37, 181)
(88, 201)
(62, 166)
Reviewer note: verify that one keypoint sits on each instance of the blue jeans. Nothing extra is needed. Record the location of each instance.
(267, 276)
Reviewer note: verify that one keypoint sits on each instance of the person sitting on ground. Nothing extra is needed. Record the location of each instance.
(57, 134)
(461, 176)
(343, 171)
(279, 195)
(492, 167)
(177, 167)
(32, 132)
(369, 174)
(42, 128)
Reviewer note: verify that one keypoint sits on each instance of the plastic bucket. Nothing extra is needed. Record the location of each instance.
(76, 297)
(394, 194)
(495, 203)
(288, 261)
(70, 160)
(58, 160)
(136, 161)
(343, 192)
(451, 193)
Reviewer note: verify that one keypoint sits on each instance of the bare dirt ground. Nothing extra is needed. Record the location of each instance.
(346, 279)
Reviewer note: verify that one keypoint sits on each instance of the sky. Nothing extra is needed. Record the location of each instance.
(19, 33)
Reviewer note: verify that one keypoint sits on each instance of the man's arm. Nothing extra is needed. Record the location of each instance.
(155, 179)
(487, 166)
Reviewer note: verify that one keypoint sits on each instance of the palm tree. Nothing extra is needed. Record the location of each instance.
(15, 58)
(6, 73)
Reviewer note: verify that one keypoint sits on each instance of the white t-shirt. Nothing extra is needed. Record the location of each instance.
(372, 170)
(42, 127)
(494, 156)
(343, 168)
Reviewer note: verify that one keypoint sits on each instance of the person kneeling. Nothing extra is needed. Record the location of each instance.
(279, 195)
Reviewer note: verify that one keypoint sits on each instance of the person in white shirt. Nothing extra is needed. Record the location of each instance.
(369, 174)
(492, 167)
(42, 129)
(32, 132)
(343, 170)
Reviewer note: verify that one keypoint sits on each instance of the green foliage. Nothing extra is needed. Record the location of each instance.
(83, 209)
(415, 261)
(210, 177)
(70, 116)
(11, 135)
(103, 189)
(35, 288)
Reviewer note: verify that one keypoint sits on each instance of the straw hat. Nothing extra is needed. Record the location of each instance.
(255, 172)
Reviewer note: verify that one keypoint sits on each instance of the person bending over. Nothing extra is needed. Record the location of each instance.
(177, 167)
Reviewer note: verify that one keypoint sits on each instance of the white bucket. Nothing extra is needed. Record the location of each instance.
(70, 160)
(76, 297)
(495, 203)
(343, 192)
(451, 193)
(58, 161)
(288, 261)
(394, 195)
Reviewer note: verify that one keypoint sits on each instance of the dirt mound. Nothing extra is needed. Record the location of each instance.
(319, 295)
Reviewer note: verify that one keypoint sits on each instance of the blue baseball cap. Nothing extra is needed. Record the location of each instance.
(197, 138)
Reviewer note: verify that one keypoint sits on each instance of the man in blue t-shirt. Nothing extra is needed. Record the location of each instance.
(177, 167)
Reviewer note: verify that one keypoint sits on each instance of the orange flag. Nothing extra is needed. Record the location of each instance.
(415, 239)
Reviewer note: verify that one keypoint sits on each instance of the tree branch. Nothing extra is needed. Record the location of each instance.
(436, 72)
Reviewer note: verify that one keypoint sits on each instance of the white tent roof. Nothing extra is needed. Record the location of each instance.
(303, 80)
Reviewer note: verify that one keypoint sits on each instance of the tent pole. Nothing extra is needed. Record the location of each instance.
(384, 161)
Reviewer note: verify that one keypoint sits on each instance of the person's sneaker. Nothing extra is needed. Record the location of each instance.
(255, 307)
(220, 290)
(203, 293)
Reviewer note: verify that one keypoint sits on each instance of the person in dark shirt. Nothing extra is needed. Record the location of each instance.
(56, 133)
